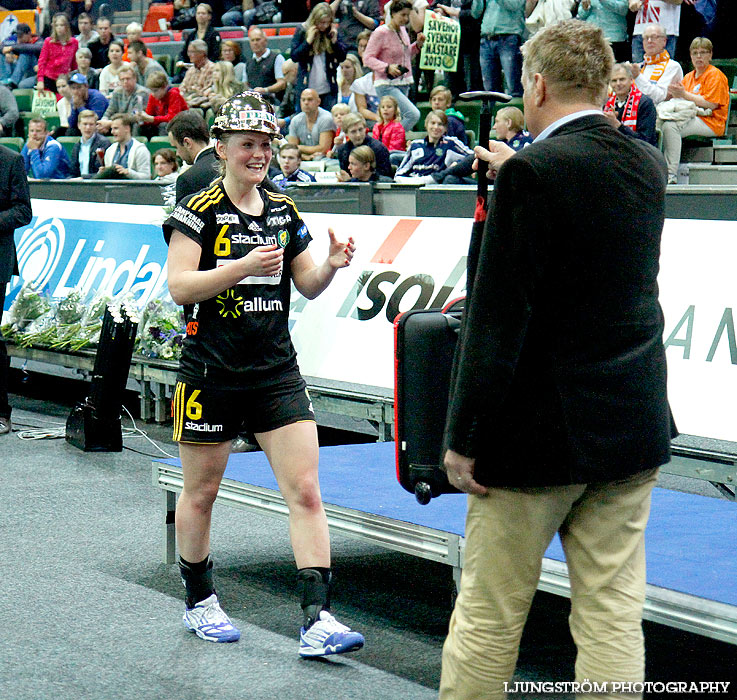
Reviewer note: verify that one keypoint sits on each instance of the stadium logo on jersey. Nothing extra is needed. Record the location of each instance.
(256, 239)
(283, 238)
(253, 226)
(226, 218)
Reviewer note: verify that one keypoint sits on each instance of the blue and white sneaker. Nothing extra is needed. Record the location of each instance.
(327, 636)
(208, 621)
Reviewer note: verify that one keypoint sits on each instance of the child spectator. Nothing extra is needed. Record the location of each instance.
(338, 112)
(509, 127)
(289, 160)
(441, 98)
(362, 166)
(389, 129)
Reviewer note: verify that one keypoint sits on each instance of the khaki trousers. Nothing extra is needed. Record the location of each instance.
(507, 532)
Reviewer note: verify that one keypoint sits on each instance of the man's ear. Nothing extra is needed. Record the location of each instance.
(540, 92)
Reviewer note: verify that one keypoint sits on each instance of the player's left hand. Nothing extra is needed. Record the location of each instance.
(340, 254)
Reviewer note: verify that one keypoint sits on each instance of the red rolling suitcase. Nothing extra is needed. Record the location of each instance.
(425, 342)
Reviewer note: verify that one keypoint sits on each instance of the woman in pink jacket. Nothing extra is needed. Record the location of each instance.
(389, 55)
(58, 54)
(388, 129)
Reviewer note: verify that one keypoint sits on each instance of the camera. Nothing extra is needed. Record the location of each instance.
(402, 69)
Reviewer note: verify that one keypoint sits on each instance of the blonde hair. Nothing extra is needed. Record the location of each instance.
(226, 85)
(365, 155)
(701, 42)
(575, 59)
(357, 70)
(515, 117)
(340, 107)
(350, 120)
(438, 89)
(397, 110)
(322, 43)
(55, 33)
(440, 115)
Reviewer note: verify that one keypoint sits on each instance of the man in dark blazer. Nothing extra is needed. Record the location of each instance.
(190, 137)
(558, 418)
(15, 211)
(93, 142)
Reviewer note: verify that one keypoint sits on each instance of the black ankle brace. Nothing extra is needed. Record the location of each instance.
(197, 580)
(315, 584)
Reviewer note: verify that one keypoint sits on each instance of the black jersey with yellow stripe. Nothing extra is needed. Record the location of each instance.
(240, 337)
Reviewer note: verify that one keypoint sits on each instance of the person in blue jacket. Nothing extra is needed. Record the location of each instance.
(611, 16)
(43, 156)
(84, 97)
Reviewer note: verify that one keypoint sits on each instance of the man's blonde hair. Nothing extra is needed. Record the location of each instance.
(575, 59)
(350, 120)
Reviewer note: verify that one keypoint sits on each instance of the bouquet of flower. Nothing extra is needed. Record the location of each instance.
(27, 306)
(161, 331)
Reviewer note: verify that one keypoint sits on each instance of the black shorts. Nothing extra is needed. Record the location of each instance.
(213, 415)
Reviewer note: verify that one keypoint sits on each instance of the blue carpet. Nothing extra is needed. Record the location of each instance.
(690, 538)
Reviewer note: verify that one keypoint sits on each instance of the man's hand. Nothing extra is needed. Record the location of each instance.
(420, 41)
(460, 473)
(120, 169)
(635, 5)
(496, 155)
(340, 254)
(612, 117)
(103, 126)
(635, 69)
(449, 11)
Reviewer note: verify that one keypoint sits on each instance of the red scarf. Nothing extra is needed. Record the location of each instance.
(629, 113)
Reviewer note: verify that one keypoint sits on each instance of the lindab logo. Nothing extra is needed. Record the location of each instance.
(39, 251)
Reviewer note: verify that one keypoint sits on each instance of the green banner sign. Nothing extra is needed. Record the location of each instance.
(442, 40)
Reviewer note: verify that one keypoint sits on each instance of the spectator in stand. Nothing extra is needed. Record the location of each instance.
(264, 68)
(509, 125)
(250, 12)
(8, 111)
(502, 28)
(366, 99)
(143, 66)
(362, 41)
(190, 137)
(658, 70)
(389, 55)
(86, 33)
(441, 98)
(164, 103)
(129, 98)
(134, 32)
(204, 32)
(84, 67)
(224, 85)
(318, 51)
(85, 161)
(165, 166)
(339, 111)
(629, 110)
(350, 71)
(611, 16)
(20, 59)
(362, 166)
(63, 104)
(57, 54)
(126, 158)
(44, 157)
(198, 78)
(433, 154)
(183, 15)
(312, 129)
(231, 51)
(355, 16)
(289, 103)
(289, 162)
(707, 88)
(664, 13)
(84, 97)
(99, 47)
(354, 126)
(389, 130)
(468, 75)
(109, 79)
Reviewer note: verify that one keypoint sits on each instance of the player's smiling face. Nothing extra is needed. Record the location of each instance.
(247, 156)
